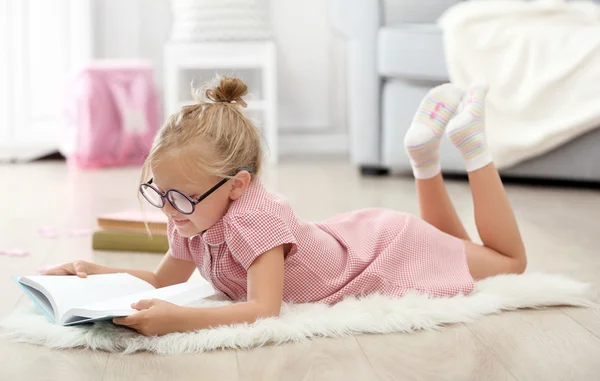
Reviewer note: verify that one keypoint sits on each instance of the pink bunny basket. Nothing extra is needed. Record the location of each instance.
(112, 115)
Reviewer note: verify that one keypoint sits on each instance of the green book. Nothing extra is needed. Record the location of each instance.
(115, 240)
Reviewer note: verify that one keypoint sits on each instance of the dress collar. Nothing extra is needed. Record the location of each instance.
(215, 235)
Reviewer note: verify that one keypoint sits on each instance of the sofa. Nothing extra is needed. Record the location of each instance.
(394, 55)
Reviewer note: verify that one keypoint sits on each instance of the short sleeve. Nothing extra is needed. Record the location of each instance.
(177, 244)
(250, 235)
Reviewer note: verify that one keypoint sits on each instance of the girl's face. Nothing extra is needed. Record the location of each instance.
(169, 174)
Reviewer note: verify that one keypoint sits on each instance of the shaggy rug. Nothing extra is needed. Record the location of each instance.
(372, 314)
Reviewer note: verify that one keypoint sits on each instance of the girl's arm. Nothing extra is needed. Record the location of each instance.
(265, 292)
(170, 271)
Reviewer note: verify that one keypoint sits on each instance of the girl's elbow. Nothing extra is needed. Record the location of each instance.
(266, 311)
(271, 313)
(275, 313)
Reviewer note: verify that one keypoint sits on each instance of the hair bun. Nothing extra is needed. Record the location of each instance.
(229, 90)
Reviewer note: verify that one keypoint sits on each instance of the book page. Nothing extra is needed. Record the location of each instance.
(181, 294)
(40, 300)
(70, 291)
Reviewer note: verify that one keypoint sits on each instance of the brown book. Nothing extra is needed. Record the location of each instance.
(132, 220)
(114, 240)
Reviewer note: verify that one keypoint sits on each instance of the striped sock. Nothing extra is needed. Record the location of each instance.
(422, 140)
(467, 130)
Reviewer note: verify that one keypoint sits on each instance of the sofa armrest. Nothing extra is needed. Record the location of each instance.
(358, 21)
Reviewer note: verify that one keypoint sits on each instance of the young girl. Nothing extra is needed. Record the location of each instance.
(203, 170)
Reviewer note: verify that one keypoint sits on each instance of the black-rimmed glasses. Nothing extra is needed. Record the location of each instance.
(179, 200)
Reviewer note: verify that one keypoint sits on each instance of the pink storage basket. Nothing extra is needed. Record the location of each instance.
(112, 115)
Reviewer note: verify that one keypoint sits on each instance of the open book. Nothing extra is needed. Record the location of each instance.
(70, 300)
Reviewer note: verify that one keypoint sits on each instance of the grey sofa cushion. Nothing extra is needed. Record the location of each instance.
(411, 51)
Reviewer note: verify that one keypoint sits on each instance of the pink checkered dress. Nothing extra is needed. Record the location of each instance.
(352, 254)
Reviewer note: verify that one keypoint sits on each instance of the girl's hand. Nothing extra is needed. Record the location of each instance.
(155, 317)
(80, 268)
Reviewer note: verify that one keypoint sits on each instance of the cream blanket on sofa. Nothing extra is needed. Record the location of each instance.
(541, 60)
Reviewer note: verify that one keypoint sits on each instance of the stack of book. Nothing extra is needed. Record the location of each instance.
(126, 231)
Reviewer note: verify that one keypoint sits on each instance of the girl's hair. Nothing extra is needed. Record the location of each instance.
(211, 137)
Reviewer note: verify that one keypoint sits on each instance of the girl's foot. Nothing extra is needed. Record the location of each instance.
(422, 141)
(467, 130)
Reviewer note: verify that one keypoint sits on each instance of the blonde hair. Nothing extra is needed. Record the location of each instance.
(213, 136)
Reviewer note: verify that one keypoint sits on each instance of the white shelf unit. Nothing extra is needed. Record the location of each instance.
(226, 58)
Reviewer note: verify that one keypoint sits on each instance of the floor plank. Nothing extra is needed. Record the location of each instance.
(320, 359)
(558, 224)
(30, 362)
(217, 365)
(588, 318)
(452, 354)
(540, 345)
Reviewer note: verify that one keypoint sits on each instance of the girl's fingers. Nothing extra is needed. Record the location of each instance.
(80, 269)
(130, 321)
(56, 271)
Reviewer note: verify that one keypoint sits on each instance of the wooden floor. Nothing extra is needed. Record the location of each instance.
(561, 226)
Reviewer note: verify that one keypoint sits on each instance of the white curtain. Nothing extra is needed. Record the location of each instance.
(41, 43)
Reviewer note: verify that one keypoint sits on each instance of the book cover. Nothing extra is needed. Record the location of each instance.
(132, 220)
(115, 240)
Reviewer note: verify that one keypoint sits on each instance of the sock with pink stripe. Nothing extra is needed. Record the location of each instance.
(422, 140)
(467, 130)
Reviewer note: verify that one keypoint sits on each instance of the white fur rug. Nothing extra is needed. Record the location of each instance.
(374, 314)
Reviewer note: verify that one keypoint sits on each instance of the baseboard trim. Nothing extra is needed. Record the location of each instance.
(313, 143)
(21, 154)
(290, 144)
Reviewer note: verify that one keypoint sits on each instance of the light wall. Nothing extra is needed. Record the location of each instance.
(310, 63)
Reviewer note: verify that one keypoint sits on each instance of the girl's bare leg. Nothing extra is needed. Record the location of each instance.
(436, 207)
(422, 143)
(503, 250)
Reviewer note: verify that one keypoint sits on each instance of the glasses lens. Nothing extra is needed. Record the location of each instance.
(180, 202)
(151, 195)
